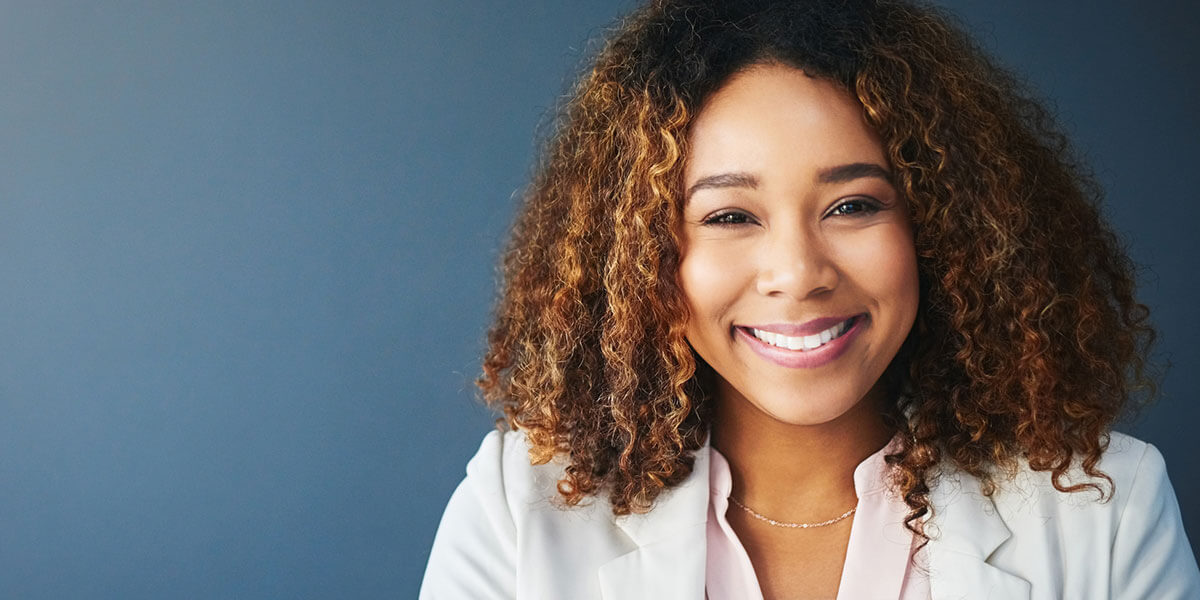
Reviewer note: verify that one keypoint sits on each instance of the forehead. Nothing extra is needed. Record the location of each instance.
(777, 116)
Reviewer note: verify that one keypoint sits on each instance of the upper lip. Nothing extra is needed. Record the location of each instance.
(812, 327)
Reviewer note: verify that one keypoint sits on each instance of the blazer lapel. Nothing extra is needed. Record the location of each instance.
(669, 560)
(964, 532)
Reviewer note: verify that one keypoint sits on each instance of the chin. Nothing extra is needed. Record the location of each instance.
(803, 412)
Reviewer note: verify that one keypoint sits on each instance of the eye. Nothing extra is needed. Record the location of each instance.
(727, 218)
(855, 207)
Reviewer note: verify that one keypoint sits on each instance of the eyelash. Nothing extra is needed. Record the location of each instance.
(718, 219)
(866, 207)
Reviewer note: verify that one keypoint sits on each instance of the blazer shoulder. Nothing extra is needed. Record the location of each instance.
(1128, 458)
(1026, 498)
(1126, 461)
(501, 468)
(477, 550)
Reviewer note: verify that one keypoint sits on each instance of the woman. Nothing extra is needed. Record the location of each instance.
(808, 301)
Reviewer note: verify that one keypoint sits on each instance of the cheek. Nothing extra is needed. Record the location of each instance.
(899, 272)
(709, 279)
(886, 264)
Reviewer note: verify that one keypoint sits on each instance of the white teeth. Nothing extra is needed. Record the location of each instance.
(808, 342)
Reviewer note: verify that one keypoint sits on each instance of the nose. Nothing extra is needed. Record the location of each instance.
(796, 263)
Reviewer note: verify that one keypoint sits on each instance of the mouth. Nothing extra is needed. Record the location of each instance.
(806, 351)
(804, 343)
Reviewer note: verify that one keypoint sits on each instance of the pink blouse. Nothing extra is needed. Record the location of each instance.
(878, 558)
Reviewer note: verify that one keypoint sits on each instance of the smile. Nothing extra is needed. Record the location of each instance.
(804, 351)
(804, 343)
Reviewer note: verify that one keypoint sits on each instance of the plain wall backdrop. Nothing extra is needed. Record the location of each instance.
(247, 258)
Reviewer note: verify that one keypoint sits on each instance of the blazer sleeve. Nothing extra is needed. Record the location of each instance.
(474, 552)
(1151, 556)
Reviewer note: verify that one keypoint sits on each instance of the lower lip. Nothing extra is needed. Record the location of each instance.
(806, 359)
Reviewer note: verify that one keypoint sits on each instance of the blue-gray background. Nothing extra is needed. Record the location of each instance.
(247, 257)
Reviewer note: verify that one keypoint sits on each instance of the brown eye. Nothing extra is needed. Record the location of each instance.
(855, 207)
(727, 218)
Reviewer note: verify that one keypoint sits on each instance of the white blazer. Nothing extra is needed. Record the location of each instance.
(505, 535)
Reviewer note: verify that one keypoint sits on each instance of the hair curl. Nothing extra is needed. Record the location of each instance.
(1029, 342)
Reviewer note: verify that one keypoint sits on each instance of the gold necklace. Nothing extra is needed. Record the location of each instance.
(792, 525)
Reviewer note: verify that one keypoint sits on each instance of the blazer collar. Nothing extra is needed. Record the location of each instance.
(669, 560)
(965, 530)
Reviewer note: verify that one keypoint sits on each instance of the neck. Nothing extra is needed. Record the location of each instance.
(796, 472)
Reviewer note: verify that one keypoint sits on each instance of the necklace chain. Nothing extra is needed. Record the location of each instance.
(792, 525)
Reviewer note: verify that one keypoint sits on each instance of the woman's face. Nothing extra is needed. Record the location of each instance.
(798, 260)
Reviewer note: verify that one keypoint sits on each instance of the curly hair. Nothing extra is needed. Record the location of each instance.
(1029, 342)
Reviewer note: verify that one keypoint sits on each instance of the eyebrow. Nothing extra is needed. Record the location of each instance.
(723, 180)
(838, 174)
(852, 171)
